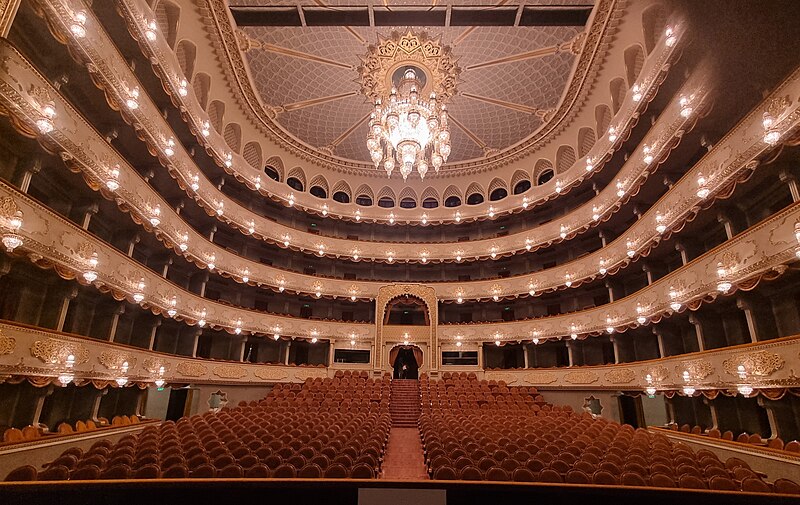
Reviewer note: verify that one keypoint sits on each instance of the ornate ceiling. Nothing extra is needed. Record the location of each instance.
(511, 78)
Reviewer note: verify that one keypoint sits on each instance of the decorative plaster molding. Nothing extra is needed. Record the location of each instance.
(55, 351)
(581, 377)
(756, 364)
(191, 369)
(230, 371)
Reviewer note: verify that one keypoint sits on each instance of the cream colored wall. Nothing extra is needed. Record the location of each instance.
(576, 399)
(236, 394)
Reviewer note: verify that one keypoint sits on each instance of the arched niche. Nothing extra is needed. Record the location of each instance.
(423, 336)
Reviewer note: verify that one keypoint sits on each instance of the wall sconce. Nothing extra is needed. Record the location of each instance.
(151, 29)
(172, 310)
(688, 389)
(723, 283)
(123, 377)
(11, 226)
(67, 374)
(138, 295)
(674, 304)
(90, 275)
(78, 26)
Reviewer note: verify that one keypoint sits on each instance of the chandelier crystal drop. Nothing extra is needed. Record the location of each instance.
(407, 131)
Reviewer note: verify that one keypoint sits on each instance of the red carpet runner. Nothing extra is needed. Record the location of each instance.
(404, 459)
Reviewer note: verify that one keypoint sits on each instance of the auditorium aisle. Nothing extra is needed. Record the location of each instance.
(404, 459)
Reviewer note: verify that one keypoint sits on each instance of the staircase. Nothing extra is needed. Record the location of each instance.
(404, 404)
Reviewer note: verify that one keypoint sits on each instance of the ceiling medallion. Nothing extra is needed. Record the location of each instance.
(409, 78)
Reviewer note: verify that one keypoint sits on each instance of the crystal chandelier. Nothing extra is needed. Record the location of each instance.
(407, 131)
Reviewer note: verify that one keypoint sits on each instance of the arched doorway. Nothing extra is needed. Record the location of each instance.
(405, 361)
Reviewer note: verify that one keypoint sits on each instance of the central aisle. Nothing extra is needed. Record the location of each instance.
(404, 459)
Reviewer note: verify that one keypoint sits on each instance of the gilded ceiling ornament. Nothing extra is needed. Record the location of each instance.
(620, 376)
(581, 377)
(114, 360)
(190, 369)
(698, 369)
(53, 351)
(757, 363)
(268, 373)
(7, 344)
(409, 48)
(230, 371)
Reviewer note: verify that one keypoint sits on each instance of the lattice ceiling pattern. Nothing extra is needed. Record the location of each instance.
(510, 77)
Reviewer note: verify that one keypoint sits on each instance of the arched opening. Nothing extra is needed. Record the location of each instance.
(544, 177)
(522, 186)
(364, 201)
(408, 203)
(272, 173)
(294, 183)
(407, 311)
(341, 197)
(430, 203)
(474, 199)
(386, 202)
(405, 361)
(319, 192)
(498, 194)
(452, 201)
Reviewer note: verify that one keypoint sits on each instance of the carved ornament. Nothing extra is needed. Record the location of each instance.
(7, 344)
(581, 377)
(270, 374)
(230, 371)
(620, 376)
(698, 369)
(190, 369)
(51, 350)
(758, 363)
(113, 360)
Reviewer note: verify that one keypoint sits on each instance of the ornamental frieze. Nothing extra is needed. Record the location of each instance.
(230, 371)
(114, 360)
(191, 369)
(51, 350)
(757, 363)
(620, 376)
(657, 373)
(7, 344)
(310, 373)
(698, 369)
(541, 377)
(581, 377)
(268, 373)
(153, 365)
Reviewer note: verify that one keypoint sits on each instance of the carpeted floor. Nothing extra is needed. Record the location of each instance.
(404, 459)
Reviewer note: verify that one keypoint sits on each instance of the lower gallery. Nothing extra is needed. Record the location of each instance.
(399, 252)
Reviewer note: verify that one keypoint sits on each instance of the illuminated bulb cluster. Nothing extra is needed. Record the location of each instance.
(123, 378)
(631, 248)
(78, 26)
(206, 129)
(67, 375)
(493, 252)
(743, 388)
(324, 209)
(686, 106)
(238, 329)
(251, 228)
(391, 218)
(528, 245)
(602, 270)
(612, 134)
(660, 226)
(220, 208)
(159, 382)
(457, 217)
(211, 259)
(291, 200)
(358, 215)
(45, 123)
(670, 37)
(138, 295)
(90, 275)
(647, 153)
(568, 280)
(202, 321)
(771, 134)
(169, 149)
(184, 244)
(609, 325)
(281, 285)
(525, 202)
(636, 93)
(589, 164)
(11, 226)
(355, 255)
(573, 332)
(595, 213)
(559, 187)
(151, 30)
(650, 389)
(132, 102)
(532, 289)
(155, 216)
(674, 303)
(563, 233)
(723, 283)
(460, 297)
(640, 317)
(491, 211)
(246, 276)
(620, 189)
(112, 183)
(688, 389)
(172, 310)
(183, 88)
(702, 186)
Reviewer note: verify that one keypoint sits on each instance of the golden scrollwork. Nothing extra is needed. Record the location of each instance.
(757, 363)
(581, 377)
(541, 377)
(153, 365)
(620, 376)
(658, 373)
(698, 369)
(312, 373)
(190, 369)
(51, 350)
(113, 360)
(230, 371)
(268, 373)
(7, 344)
(8, 207)
(412, 48)
(508, 378)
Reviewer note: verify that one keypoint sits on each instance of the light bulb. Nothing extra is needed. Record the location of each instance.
(238, 329)
(525, 203)
(220, 208)
(589, 164)
(78, 25)
(497, 343)
(458, 344)
(558, 186)
(686, 107)
(595, 213)
(536, 341)
(169, 150)
(602, 270)
(132, 102)
(745, 389)
(702, 190)
(675, 305)
(150, 31)
(113, 179)
(640, 318)
(631, 250)
(528, 245)
(612, 134)
(660, 226)
(206, 129)
(568, 280)
(314, 340)
(609, 325)
(291, 200)
(563, 233)
(182, 90)
(636, 93)
(211, 260)
(620, 189)
(458, 217)
(650, 390)
(172, 311)
(648, 154)
(670, 37)
(155, 218)
(202, 321)
(358, 215)
(229, 160)
(90, 276)
(324, 210)
(491, 211)
(391, 218)
(460, 299)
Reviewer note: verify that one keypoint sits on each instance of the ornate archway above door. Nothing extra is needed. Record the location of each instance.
(385, 296)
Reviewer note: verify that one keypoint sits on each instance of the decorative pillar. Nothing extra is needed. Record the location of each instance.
(179, 207)
(615, 345)
(153, 332)
(648, 270)
(773, 423)
(212, 230)
(603, 238)
(570, 353)
(288, 349)
(87, 215)
(33, 168)
(96, 404)
(748, 315)
(791, 181)
(668, 182)
(480, 356)
(660, 339)
(132, 244)
(242, 348)
(203, 283)
(698, 329)
(684, 255)
(670, 411)
(62, 314)
(196, 341)
(37, 412)
(726, 224)
(610, 289)
(112, 331)
(165, 269)
(140, 402)
(525, 354)
(331, 352)
(714, 414)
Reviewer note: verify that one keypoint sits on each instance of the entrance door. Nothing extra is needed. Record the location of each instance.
(405, 357)
(631, 412)
(177, 404)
